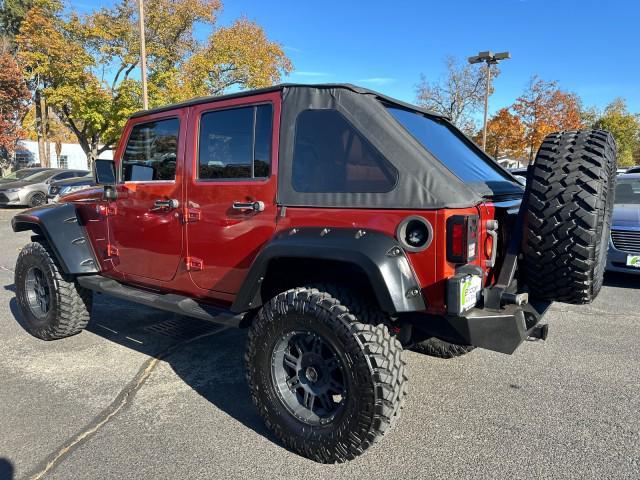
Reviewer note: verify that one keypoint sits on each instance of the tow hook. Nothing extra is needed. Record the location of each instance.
(538, 332)
(515, 298)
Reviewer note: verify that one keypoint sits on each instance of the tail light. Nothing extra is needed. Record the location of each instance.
(462, 238)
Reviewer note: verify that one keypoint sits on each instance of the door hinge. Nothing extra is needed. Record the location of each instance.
(107, 210)
(191, 215)
(194, 263)
(111, 251)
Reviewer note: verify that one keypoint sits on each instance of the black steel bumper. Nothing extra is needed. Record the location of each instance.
(498, 330)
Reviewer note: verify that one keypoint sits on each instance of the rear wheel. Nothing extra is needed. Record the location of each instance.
(327, 384)
(570, 202)
(52, 305)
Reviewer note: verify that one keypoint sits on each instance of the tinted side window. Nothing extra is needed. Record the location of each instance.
(151, 152)
(63, 176)
(330, 155)
(235, 143)
(448, 147)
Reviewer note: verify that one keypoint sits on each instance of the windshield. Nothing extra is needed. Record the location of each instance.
(448, 146)
(21, 174)
(627, 191)
(39, 176)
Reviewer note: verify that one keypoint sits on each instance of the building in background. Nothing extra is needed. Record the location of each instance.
(513, 162)
(71, 155)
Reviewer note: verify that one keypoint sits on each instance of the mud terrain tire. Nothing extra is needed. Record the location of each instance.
(371, 368)
(570, 201)
(52, 305)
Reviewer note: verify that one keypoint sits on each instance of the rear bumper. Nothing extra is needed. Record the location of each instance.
(501, 331)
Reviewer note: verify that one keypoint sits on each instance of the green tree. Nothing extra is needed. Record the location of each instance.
(12, 12)
(624, 126)
(86, 66)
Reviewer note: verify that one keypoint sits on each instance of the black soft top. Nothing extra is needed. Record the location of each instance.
(423, 181)
(280, 87)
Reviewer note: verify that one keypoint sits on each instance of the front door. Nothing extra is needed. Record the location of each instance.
(231, 188)
(145, 230)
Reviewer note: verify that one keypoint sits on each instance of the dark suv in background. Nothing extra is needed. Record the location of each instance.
(60, 188)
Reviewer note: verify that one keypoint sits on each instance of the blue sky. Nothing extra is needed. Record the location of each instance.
(590, 47)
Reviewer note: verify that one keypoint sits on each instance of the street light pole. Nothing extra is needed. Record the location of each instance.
(486, 107)
(490, 59)
(143, 56)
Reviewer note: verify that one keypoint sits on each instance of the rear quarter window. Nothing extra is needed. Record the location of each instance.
(331, 156)
(447, 145)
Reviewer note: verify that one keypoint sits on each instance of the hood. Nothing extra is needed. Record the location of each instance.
(14, 184)
(74, 181)
(626, 215)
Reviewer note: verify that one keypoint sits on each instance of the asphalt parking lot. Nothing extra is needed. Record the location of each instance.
(146, 394)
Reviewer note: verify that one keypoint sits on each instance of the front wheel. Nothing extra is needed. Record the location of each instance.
(52, 305)
(36, 199)
(327, 385)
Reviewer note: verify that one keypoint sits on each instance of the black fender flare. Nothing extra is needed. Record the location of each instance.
(379, 255)
(61, 227)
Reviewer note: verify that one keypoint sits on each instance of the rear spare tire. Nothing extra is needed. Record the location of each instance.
(569, 205)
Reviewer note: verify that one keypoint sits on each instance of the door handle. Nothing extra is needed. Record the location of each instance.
(165, 205)
(256, 206)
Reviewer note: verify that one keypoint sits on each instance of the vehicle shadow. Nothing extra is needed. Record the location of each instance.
(212, 364)
(621, 280)
(6, 469)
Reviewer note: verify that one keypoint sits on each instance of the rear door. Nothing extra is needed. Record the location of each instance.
(231, 188)
(145, 231)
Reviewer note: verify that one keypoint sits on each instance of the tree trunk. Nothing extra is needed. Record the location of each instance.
(42, 156)
(45, 130)
(92, 153)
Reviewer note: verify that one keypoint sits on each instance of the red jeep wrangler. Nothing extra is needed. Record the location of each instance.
(340, 226)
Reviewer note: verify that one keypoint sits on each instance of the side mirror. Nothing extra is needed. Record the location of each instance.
(104, 172)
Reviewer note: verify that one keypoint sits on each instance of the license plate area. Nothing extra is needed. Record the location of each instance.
(463, 292)
(633, 261)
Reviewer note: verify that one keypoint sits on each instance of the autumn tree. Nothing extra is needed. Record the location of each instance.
(624, 126)
(459, 94)
(14, 96)
(87, 65)
(543, 108)
(505, 135)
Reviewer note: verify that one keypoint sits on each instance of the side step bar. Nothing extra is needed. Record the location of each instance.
(169, 302)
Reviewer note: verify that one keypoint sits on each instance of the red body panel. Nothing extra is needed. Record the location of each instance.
(227, 240)
(430, 265)
(154, 249)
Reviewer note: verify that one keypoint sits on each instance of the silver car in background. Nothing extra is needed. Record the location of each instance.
(20, 174)
(32, 189)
